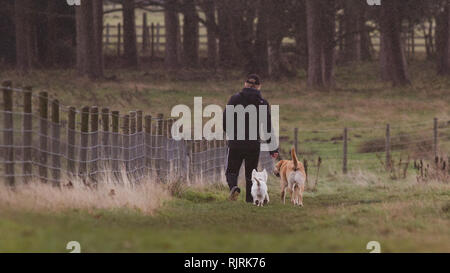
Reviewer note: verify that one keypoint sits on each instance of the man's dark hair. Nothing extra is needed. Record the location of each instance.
(253, 79)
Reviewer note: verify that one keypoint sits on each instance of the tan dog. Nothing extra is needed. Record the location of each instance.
(293, 178)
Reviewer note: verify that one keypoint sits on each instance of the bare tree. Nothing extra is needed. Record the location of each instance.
(443, 40)
(190, 34)
(209, 8)
(321, 42)
(129, 34)
(98, 35)
(227, 45)
(392, 56)
(8, 41)
(260, 60)
(352, 35)
(88, 62)
(172, 31)
(24, 35)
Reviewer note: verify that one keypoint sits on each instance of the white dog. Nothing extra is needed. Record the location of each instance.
(259, 188)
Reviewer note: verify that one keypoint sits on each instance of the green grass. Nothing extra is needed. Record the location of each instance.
(345, 213)
(401, 217)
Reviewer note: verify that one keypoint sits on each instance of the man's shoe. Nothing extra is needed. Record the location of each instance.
(234, 193)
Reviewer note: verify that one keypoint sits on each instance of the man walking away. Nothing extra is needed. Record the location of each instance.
(246, 149)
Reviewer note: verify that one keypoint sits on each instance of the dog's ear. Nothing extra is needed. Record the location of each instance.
(265, 174)
(254, 172)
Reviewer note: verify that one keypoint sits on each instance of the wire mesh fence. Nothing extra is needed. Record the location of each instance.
(55, 143)
(46, 140)
(379, 149)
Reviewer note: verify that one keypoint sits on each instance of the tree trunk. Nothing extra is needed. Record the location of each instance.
(393, 60)
(87, 58)
(301, 34)
(8, 41)
(80, 41)
(24, 36)
(384, 56)
(259, 60)
(328, 42)
(443, 41)
(365, 42)
(226, 37)
(172, 28)
(275, 58)
(351, 40)
(98, 35)
(129, 34)
(52, 34)
(190, 34)
(321, 45)
(209, 7)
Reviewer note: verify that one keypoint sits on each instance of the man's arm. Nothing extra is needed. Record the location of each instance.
(231, 101)
(275, 152)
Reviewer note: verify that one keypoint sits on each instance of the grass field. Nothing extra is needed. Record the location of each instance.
(344, 218)
(345, 212)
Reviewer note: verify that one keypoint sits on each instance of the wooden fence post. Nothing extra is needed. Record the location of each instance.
(171, 168)
(158, 145)
(148, 144)
(71, 141)
(165, 165)
(145, 33)
(158, 33)
(194, 161)
(435, 138)
(84, 141)
(217, 162)
(153, 41)
(186, 161)
(8, 133)
(133, 143)
(107, 35)
(115, 143)
(210, 160)
(118, 39)
(94, 145)
(225, 153)
(126, 142)
(27, 134)
(43, 128)
(56, 134)
(106, 151)
(140, 144)
(296, 140)
(344, 167)
(388, 146)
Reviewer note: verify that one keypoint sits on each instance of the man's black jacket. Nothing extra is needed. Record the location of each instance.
(248, 96)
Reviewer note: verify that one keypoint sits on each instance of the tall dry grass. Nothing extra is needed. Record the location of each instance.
(145, 197)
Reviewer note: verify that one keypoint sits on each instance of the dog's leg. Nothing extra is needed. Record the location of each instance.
(283, 191)
(267, 198)
(301, 198)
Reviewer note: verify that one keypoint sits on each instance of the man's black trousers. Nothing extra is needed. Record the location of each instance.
(234, 162)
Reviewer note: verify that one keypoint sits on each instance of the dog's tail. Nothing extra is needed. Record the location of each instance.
(294, 159)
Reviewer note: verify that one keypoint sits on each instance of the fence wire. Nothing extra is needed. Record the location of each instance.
(34, 147)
